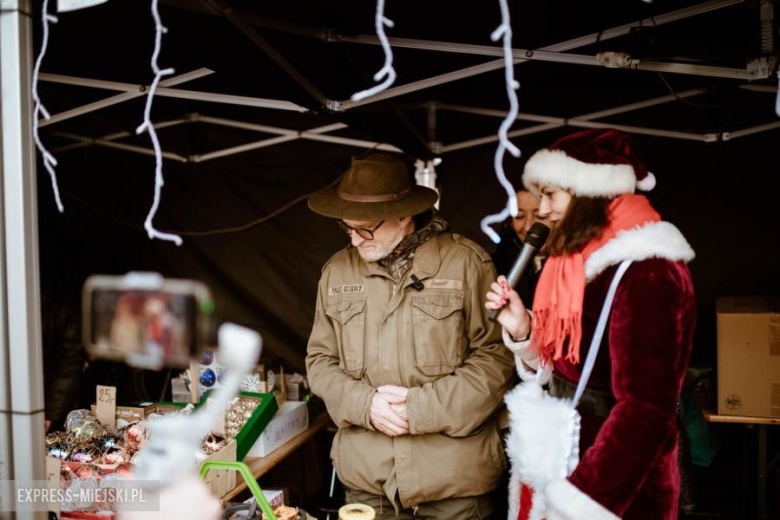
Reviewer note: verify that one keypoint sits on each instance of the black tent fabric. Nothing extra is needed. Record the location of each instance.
(723, 198)
(722, 195)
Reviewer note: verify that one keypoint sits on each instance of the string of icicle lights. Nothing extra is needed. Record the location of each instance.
(148, 127)
(49, 162)
(387, 71)
(504, 32)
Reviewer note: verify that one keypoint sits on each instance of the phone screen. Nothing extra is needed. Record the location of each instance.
(148, 328)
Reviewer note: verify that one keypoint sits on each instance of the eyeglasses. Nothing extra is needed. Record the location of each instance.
(364, 233)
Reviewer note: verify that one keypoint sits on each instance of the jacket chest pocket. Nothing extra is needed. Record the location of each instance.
(438, 333)
(349, 321)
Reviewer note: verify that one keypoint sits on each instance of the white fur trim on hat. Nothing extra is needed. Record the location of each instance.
(566, 502)
(653, 240)
(556, 168)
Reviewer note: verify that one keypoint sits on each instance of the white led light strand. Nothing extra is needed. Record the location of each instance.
(777, 103)
(49, 162)
(149, 127)
(387, 71)
(505, 31)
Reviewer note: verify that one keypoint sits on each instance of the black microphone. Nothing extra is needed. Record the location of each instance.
(534, 241)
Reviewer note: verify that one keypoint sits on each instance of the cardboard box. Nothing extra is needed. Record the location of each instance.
(275, 497)
(291, 420)
(128, 414)
(221, 481)
(749, 356)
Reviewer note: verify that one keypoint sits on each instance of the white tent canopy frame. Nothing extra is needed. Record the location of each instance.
(319, 134)
(549, 53)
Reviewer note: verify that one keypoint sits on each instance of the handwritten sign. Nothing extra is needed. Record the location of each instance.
(106, 405)
(53, 465)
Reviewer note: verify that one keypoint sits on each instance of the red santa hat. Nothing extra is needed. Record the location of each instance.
(592, 163)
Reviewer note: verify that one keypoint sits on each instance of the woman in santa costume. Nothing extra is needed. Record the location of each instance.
(617, 457)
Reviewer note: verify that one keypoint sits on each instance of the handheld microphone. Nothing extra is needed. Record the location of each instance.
(534, 241)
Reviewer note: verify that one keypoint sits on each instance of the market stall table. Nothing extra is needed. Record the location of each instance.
(260, 466)
(762, 468)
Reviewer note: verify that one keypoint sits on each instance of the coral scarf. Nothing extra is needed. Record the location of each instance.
(557, 309)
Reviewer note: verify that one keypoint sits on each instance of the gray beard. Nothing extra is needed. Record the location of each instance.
(378, 253)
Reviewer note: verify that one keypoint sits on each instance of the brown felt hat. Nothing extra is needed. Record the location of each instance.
(376, 187)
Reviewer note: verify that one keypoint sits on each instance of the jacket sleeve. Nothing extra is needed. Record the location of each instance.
(649, 346)
(460, 402)
(348, 400)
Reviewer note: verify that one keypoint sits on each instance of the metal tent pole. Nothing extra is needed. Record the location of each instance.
(769, 89)
(582, 41)
(121, 98)
(727, 136)
(176, 93)
(20, 320)
(89, 141)
(551, 123)
(575, 43)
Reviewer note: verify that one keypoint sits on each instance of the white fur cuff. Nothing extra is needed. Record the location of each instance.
(524, 356)
(521, 349)
(566, 502)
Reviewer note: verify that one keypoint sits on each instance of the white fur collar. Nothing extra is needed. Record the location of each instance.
(654, 240)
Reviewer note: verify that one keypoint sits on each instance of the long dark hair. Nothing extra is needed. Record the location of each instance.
(584, 220)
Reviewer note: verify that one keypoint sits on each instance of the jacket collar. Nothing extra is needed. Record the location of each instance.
(427, 258)
(425, 263)
(654, 240)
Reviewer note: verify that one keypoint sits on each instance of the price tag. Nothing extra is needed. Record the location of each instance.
(53, 465)
(147, 432)
(106, 405)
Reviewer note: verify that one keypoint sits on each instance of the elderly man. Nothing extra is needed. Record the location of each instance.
(411, 370)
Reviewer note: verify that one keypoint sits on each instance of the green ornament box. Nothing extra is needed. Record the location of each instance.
(254, 426)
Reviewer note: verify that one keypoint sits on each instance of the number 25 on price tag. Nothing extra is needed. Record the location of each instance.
(106, 405)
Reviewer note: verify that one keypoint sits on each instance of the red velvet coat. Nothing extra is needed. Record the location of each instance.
(629, 460)
(628, 465)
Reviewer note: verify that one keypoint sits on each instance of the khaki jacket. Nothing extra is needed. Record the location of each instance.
(439, 343)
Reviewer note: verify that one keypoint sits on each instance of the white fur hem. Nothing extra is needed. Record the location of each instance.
(566, 502)
(556, 168)
(654, 240)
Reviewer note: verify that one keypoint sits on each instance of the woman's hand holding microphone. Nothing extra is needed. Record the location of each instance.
(513, 316)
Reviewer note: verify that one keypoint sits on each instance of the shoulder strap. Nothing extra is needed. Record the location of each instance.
(595, 343)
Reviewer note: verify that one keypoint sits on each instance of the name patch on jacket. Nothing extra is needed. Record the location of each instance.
(444, 283)
(346, 289)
